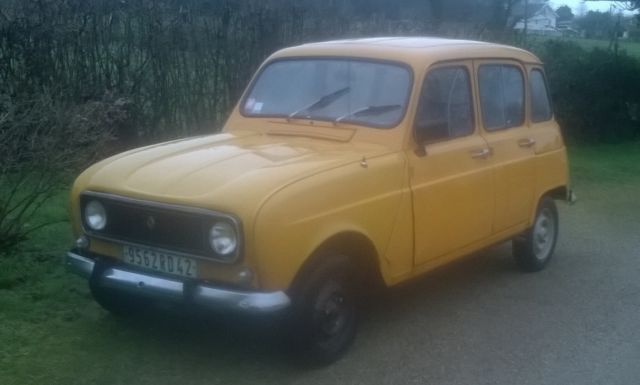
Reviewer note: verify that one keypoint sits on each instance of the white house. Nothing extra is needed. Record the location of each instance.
(541, 19)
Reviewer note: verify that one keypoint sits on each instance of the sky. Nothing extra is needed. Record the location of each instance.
(590, 5)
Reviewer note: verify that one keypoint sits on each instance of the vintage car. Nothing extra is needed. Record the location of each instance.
(345, 164)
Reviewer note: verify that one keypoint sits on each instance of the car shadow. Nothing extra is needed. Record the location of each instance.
(451, 281)
(256, 344)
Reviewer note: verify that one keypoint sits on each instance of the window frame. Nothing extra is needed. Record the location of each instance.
(470, 82)
(525, 98)
(548, 91)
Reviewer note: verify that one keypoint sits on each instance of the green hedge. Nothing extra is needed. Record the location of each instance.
(596, 92)
(178, 66)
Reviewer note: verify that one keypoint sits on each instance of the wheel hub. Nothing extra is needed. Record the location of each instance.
(543, 234)
(333, 315)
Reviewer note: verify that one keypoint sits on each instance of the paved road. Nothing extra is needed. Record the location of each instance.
(480, 321)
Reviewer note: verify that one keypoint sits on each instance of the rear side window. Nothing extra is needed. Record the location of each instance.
(501, 96)
(540, 104)
(446, 105)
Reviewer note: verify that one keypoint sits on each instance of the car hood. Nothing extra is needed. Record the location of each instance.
(233, 172)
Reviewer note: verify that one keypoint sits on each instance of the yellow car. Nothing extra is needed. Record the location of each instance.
(345, 164)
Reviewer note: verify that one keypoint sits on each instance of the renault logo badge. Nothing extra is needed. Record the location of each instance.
(151, 222)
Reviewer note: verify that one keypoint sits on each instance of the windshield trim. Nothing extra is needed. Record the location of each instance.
(402, 116)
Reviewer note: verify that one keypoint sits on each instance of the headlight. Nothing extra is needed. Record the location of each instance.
(95, 215)
(223, 238)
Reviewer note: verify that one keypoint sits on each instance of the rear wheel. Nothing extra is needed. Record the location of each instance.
(325, 317)
(534, 248)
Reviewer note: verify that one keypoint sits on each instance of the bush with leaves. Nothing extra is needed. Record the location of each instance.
(596, 92)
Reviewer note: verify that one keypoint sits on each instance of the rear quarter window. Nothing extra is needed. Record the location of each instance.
(540, 102)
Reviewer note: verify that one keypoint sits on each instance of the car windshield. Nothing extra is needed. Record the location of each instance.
(357, 91)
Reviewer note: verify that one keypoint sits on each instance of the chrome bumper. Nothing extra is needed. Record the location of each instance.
(571, 197)
(175, 290)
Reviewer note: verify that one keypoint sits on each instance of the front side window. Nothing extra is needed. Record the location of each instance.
(357, 91)
(540, 104)
(501, 96)
(446, 105)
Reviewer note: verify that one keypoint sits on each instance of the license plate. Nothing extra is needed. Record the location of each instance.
(161, 261)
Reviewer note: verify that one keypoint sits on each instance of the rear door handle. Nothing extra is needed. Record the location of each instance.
(526, 142)
(481, 154)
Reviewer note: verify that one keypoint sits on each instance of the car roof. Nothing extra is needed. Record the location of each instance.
(413, 50)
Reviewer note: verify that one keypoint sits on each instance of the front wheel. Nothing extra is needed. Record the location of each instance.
(534, 248)
(325, 313)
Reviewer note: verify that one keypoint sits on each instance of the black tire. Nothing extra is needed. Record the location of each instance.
(534, 248)
(324, 319)
(116, 302)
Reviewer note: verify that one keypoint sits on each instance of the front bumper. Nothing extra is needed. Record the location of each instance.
(166, 289)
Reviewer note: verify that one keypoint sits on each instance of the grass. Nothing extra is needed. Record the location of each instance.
(631, 47)
(52, 332)
(604, 164)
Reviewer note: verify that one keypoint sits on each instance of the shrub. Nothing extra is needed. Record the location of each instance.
(43, 143)
(596, 93)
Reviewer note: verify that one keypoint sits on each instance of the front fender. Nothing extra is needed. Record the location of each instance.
(362, 197)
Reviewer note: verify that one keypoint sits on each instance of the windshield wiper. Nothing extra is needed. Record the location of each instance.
(370, 111)
(321, 103)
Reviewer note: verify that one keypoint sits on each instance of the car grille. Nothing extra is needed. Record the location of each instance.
(153, 224)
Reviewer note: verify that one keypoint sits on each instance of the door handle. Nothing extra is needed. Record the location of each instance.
(526, 142)
(481, 154)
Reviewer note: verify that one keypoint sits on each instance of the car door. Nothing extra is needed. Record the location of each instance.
(501, 86)
(451, 176)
